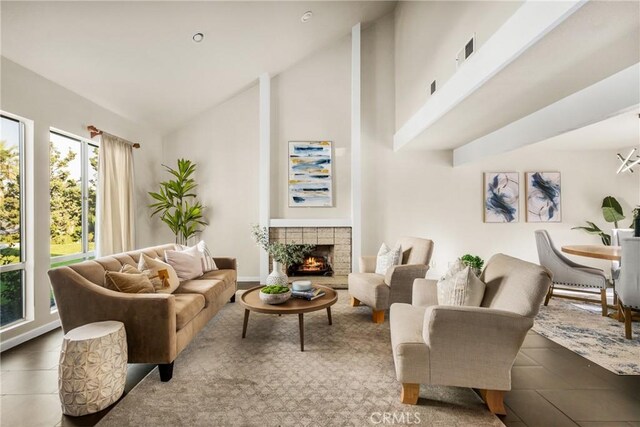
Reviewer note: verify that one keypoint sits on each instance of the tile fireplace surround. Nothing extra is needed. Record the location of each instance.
(339, 237)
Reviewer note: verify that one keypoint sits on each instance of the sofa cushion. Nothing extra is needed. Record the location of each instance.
(154, 266)
(187, 307)
(187, 263)
(128, 283)
(460, 287)
(370, 289)
(209, 289)
(227, 276)
(387, 258)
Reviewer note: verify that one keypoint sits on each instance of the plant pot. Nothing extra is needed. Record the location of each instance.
(277, 276)
(636, 233)
(274, 299)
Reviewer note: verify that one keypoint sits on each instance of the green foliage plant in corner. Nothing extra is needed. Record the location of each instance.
(612, 213)
(176, 202)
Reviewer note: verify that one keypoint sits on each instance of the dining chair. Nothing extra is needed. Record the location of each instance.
(628, 286)
(570, 275)
(617, 234)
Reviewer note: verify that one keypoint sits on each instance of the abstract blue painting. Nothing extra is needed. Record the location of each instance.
(310, 177)
(543, 197)
(501, 196)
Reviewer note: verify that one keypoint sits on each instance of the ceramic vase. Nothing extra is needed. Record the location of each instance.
(277, 276)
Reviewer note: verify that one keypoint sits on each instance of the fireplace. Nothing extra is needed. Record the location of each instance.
(333, 246)
(317, 263)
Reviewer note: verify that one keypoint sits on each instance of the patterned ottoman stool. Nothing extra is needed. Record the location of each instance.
(93, 367)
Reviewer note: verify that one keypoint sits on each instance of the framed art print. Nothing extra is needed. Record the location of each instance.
(310, 174)
(543, 197)
(501, 196)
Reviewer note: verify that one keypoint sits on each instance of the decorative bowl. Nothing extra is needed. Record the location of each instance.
(301, 285)
(275, 299)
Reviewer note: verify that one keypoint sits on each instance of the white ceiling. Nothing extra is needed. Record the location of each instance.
(619, 132)
(598, 40)
(138, 59)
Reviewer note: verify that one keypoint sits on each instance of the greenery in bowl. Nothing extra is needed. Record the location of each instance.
(275, 289)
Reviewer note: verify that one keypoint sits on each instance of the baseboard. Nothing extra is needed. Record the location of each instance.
(249, 279)
(22, 338)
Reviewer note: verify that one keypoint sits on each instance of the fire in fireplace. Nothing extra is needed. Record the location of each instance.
(313, 265)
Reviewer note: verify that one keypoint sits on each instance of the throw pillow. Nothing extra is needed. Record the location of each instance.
(388, 258)
(128, 283)
(208, 264)
(155, 266)
(187, 263)
(156, 280)
(460, 286)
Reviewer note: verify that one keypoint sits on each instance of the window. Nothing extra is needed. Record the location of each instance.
(12, 219)
(73, 187)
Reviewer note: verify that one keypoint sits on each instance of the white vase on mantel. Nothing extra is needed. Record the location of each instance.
(277, 276)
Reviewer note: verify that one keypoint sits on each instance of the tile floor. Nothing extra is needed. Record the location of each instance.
(552, 386)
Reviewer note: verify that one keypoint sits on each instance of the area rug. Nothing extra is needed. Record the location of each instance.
(345, 377)
(582, 329)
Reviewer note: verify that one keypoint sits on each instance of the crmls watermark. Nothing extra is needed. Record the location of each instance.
(395, 418)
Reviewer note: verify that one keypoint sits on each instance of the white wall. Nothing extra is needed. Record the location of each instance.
(311, 102)
(33, 97)
(224, 143)
(428, 35)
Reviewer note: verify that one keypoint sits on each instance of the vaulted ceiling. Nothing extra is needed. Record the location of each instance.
(138, 59)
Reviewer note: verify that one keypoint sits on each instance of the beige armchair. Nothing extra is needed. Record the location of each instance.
(380, 291)
(468, 346)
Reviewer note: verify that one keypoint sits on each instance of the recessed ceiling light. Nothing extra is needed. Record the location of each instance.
(306, 17)
(198, 37)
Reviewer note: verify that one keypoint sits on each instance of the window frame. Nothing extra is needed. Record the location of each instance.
(85, 253)
(26, 264)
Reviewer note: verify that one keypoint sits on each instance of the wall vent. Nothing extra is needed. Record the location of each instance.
(468, 50)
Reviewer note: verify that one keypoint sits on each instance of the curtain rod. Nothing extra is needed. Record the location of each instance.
(95, 131)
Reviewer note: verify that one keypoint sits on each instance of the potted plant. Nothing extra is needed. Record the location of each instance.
(473, 261)
(283, 254)
(176, 202)
(275, 294)
(635, 224)
(612, 213)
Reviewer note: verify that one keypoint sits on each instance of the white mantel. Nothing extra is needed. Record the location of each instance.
(305, 222)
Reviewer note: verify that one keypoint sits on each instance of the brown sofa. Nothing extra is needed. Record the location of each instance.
(159, 326)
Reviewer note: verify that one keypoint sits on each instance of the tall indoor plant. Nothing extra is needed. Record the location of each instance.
(176, 202)
(612, 213)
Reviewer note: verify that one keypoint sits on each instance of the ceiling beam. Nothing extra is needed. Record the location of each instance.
(530, 23)
(609, 97)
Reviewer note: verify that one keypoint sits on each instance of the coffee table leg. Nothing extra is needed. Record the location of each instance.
(246, 321)
(329, 315)
(301, 323)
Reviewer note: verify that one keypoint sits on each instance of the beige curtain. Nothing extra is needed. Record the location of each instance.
(116, 209)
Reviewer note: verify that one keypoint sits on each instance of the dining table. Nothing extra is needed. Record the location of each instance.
(611, 253)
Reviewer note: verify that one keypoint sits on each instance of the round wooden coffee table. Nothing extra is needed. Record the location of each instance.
(251, 302)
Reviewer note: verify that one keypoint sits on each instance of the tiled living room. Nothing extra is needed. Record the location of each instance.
(287, 213)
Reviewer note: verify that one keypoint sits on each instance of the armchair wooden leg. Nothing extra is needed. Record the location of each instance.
(354, 302)
(410, 393)
(494, 400)
(603, 301)
(627, 322)
(549, 295)
(378, 316)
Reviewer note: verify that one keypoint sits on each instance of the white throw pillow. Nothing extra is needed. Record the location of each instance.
(155, 265)
(460, 286)
(187, 263)
(208, 264)
(388, 258)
